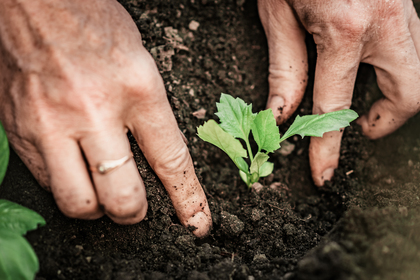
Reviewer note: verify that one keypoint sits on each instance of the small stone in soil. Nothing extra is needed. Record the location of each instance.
(257, 187)
(200, 114)
(193, 25)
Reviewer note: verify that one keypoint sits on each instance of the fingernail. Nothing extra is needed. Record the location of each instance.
(201, 222)
(327, 174)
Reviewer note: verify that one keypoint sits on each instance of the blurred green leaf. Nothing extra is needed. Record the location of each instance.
(17, 218)
(259, 160)
(4, 153)
(18, 260)
(266, 169)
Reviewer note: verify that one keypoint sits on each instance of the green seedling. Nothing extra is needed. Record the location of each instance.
(17, 258)
(237, 122)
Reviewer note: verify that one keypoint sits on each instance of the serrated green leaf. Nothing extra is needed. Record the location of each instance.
(235, 116)
(317, 125)
(4, 153)
(265, 131)
(17, 218)
(259, 160)
(211, 132)
(18, 260)
(266, 169)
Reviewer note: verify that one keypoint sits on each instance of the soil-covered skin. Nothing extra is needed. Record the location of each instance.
(363, 225)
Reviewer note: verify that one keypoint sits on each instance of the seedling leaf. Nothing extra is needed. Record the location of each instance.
(317, 125)
(211, 132)
(256, 164)
(237, 120)
(4, 153)
(244, 177)
(17, 218)
(17, 258)
(241, 164)
(235, 116)
(266, 169)
(254, 177)
(265, 131)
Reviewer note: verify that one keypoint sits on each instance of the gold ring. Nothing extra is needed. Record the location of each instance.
(106, 166)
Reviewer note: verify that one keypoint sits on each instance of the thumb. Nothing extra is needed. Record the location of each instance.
(288, 68)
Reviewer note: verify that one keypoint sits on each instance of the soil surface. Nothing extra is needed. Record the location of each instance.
(363, 225)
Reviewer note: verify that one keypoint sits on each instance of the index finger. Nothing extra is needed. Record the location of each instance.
(154, 126)
(335, 75)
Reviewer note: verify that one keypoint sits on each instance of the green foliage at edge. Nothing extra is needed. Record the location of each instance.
(17, 218)
(4, 153)
(18, 260)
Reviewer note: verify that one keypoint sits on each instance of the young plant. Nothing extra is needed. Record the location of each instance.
(237, 122)
(17, 258)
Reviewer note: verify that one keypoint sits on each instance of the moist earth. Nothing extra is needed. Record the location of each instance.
(364, 224)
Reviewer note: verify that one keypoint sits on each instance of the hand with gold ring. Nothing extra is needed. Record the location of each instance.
(74, 77)
(107, 166)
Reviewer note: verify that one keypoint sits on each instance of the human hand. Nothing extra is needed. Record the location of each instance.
(74, 78)
(384, 33)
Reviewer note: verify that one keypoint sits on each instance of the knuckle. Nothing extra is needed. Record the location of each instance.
(147, 77)
(326, 107)
(336, 18)
(174, 164)
(350, 25)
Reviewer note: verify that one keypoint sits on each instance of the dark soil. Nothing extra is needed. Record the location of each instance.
(363, 225)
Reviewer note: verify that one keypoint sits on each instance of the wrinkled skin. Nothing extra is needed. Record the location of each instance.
(74, 77)
(383, 33)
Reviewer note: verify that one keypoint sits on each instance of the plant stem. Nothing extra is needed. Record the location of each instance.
(248, 146)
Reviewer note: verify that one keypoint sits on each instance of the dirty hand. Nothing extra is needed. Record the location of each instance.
(74, 78)
(384, 33)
